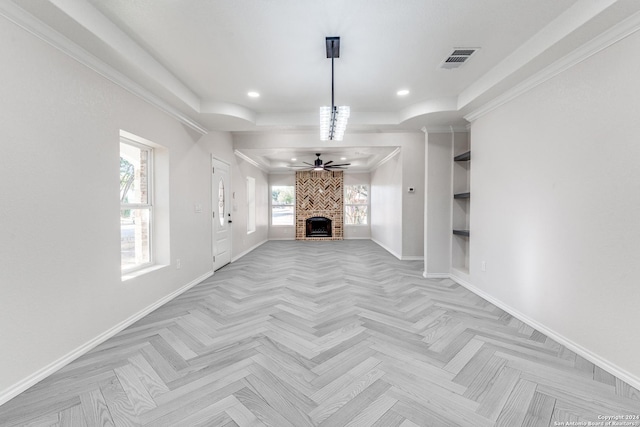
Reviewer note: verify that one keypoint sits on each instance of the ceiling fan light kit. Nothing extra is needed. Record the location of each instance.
(318, 165)
(333, 120)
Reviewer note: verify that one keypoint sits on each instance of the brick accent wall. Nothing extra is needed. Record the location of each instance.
(320, 193)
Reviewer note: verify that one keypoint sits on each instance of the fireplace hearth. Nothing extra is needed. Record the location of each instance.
(318, 226)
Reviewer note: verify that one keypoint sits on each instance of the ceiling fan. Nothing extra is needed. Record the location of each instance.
(319, 166)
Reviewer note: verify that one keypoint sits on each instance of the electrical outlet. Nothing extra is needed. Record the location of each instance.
(178, 264)
(483, 266)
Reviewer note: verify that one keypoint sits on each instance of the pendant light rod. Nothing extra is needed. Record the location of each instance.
(333, 120)
(333, 51)
(333, 104)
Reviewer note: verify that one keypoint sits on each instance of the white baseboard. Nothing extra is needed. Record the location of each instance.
(395, 254)
(19, 387)
(387, 249)
(282, 238)
(435, 275)
(613, 369)
(240, 255)
(357, 238)
(459, 275)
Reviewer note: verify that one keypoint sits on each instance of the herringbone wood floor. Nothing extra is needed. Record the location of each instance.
(331, 334)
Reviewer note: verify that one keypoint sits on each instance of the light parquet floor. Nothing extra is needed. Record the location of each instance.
(325, 334)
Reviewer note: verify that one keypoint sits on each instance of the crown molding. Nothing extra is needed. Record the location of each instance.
(384, 160)
(89, 17)
(599, 43)
(581, 12)
(250, 160)
(28, 22)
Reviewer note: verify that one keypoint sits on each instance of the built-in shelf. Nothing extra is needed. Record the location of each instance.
(461, 202)
(463, 157)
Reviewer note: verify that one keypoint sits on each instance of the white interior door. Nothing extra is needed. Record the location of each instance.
(221, 217)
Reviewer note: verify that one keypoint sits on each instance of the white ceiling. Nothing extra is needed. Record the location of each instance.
(202, 57)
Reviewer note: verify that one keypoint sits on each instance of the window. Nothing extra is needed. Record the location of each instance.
(282, 203)
(221, 202)
(136, 205)
(251, 205)
(356, 204)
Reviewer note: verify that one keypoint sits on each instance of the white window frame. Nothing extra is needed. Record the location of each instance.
(358, 204)
(271, 205)
(149, 205)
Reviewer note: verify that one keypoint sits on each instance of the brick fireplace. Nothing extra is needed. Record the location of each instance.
(319, 194)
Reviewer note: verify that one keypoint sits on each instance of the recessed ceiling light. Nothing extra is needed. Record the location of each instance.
(293, 159)
(343, 158)
(253, 95)
(403, 92)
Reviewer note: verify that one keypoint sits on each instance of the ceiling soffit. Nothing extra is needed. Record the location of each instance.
(111, 38)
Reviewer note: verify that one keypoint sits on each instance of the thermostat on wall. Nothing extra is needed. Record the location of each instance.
(411, 190)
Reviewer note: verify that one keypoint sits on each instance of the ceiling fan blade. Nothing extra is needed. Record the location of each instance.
(328, 163)
(307, 163)
(341, 164)
(336, 167)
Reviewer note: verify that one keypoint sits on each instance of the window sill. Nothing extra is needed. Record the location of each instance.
(137, 273)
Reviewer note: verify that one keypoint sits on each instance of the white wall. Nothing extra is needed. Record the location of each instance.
(555, 207)
(397, 216)
(61, 288)
(358, 231)
(243, 241)
(413, 170)
(386, 205)
(438, 158)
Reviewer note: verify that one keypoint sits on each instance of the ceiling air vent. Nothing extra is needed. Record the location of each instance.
(458, 57)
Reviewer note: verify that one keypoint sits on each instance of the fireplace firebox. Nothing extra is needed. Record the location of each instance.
(318, 226)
